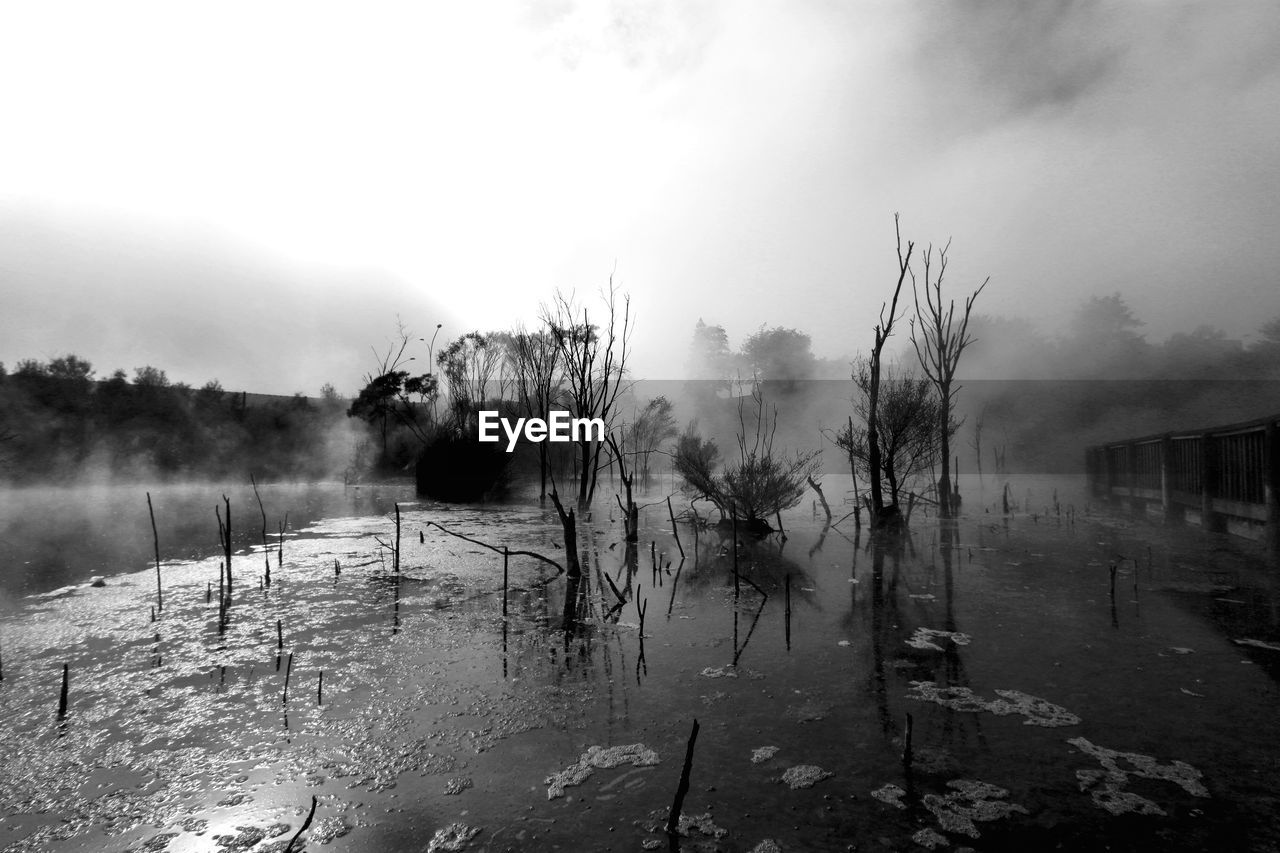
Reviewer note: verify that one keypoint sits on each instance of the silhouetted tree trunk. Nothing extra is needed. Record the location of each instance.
(573, 569)
(882, 331)
(630, 512)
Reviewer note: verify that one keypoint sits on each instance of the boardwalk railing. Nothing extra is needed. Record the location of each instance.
(1228, 477)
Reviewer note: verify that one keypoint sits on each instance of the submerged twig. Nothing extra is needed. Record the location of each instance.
(622, 599)
(547, 560)
(675, 532)
(674, 582)
(907, 753)
(305, 824)
(738, 650)
(62, 699)
(673, 819)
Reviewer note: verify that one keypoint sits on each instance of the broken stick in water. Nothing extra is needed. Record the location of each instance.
(62, 700)
(674, 530)
(673, 820)
(266, 549)
(156, 539)
(906, 744)
(288, 670)
(306, 823)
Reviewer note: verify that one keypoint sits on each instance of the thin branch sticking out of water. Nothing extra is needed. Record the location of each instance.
(156, 539)
(674, 530)
(305, 824)
(547, 560)
(62, 700)
(266, 549)
(673, 819)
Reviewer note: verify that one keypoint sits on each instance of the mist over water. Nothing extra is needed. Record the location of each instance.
(55, 536)
(438, 712)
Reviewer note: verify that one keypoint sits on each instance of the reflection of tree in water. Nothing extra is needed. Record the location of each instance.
(762, 561)
(892, 624)
(956, 675)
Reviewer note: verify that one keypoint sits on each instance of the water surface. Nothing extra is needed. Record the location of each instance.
(1045, 711)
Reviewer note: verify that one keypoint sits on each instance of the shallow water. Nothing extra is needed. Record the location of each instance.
(1043, 711)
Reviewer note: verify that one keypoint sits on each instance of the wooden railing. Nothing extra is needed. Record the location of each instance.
(1228, 477)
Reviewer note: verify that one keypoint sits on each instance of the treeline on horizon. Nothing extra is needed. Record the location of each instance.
(58, 423)
(1029, 403)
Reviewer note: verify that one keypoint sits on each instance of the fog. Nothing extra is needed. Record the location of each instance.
(256, 198)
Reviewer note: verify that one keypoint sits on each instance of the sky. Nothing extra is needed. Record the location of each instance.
(261, 192)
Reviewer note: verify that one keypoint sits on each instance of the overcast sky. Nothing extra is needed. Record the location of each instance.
(254, 191)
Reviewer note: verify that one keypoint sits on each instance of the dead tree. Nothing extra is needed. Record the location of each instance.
(630, 512)
(471, 366)
(650, 428)
(593, 363)
(573, 569)
(536, 362)
(906, 412)
(879, 513)
(939, 342)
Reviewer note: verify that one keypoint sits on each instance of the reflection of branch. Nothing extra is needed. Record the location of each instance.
(756, 588)
(621, 598)
(548, 560)
(822, 538)
(844, 517)
(737, 653)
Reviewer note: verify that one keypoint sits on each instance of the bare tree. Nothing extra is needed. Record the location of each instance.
(761, 482)
(470, 365)
(389, 391)
(906, 414)
(536, 365)
(939, 342)
(650, 428)
(594, 362)
(879, 514)
(630, 512)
